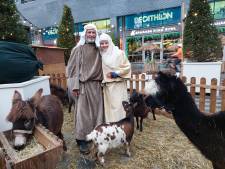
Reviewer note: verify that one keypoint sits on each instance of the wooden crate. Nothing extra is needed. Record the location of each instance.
(47, 159)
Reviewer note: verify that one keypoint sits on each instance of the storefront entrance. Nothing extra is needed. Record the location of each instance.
(146, 48)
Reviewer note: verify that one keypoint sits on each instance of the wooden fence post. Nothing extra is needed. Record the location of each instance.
(64, 82)
(202, 94)
(213, 95)
(192, 87)
(58, 79)
(142, 83)
(131, 85)
(137, 82)
(223, 96)
(184, 79)
(53, 79)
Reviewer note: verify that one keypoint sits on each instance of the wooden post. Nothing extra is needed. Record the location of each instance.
(213, 96)
(131, 85)
(223, 96)
(64, 82)
(58, 77)
(53, 79)
(137, 82)
(184, 79)
(192, 87)
(202, 94)
(142, 83)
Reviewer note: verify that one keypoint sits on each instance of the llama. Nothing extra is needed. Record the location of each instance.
(206, 132)
(46, 110)
(141, 110)
(114, 134)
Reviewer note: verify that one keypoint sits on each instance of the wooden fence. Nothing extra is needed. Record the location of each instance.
(58, 79)
(217, 92)
(137, 82)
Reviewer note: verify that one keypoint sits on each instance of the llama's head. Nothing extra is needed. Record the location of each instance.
(23, 116)
(166, 89)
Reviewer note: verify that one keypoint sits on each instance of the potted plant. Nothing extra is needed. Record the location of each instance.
(201, 44)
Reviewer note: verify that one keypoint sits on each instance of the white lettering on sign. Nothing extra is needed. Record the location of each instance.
(52, 31)
(155, 17)
(154, 30)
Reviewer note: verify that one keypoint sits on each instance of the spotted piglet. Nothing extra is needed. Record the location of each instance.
(114, 134)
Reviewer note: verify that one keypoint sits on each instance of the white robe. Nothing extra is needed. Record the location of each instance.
(114, 90)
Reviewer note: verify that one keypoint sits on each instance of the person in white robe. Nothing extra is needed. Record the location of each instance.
(116, 71)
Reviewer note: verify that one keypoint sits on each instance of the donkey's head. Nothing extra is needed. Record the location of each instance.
(23, 116)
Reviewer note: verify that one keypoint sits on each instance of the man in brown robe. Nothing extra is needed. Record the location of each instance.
(85, 68)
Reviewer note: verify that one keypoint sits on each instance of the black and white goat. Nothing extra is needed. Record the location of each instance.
(114, 134)
(206, 132)
(141, 110)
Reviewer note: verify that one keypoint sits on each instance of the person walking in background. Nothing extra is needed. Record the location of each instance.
(178, 56)
(116, 70)
(85, 67)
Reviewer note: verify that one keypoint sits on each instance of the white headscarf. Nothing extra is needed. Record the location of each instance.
(82, 36)
(112, 56)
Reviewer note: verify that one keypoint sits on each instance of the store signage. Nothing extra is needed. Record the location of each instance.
(102, 25)
(155, 30)
(50, 33)
(219, 22)
(154, 18)
(218, 9)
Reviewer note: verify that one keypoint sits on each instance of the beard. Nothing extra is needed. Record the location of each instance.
(90, 40)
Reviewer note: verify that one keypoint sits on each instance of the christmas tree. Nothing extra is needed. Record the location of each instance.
(10, 28)
(66, 32)
(201, 42)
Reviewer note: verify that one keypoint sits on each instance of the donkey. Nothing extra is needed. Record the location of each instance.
(46, 110)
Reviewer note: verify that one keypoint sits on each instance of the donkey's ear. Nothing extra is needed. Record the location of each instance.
(17, 96)
(37, 97)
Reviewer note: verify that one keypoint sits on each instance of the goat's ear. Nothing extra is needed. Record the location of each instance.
(37, 97)
(17, 96)
(124, 103)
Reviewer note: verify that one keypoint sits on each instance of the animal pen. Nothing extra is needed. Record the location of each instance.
(161, 144)
(211, 101)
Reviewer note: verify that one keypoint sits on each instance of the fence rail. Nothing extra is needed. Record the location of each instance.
(212, 101)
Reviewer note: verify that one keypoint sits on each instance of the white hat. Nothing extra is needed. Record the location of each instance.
(82, 36)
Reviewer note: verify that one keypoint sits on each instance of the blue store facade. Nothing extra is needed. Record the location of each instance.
(132, 24)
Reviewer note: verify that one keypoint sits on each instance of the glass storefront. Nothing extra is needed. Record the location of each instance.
(102, 26)
(218, 9)
(143, 31)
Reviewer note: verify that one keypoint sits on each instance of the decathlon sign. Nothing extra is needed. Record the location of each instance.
(154, 18)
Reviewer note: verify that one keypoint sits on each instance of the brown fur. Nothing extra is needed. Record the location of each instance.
(20, 109)
(47, 106)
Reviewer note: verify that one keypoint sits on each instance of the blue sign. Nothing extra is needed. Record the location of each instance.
(153, 18)
(50, 33)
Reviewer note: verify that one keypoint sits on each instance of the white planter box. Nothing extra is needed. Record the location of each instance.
(198, 70)
(27, 90)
